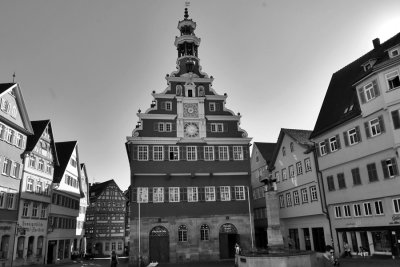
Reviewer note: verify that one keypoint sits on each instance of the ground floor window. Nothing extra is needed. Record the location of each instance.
(119, 245)
(5, 240)
(381, 241)
(39, 246)
(20, 246)
(67, 249)
(61, 249)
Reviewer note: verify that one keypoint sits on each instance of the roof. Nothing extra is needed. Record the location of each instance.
(301, 137)
(341, 93)
(266, 150)
(5, 86)
(64, 152)
(98, 188)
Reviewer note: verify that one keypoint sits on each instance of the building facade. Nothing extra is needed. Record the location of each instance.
(303, 215)
(15, 126)
(40, 158)
(105, 225)
(261, 155)
(65, 201)
(358, 139)
(79, 247)
(190, 168)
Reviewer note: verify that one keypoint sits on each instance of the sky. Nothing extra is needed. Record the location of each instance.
(89, 65)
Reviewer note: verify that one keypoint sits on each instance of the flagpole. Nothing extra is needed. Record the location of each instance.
(139, 257)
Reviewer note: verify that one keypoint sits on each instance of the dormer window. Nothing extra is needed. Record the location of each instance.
(369, 64)
(394, 53)
(393, 80)
(367, 67)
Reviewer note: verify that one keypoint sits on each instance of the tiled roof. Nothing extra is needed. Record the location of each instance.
(38, 129)
(341, 93)
(64, 152)
(266, 150)
(5, 86)
(98, 188)
(301, 136)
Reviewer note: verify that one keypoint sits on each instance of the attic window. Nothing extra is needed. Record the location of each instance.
(367, 67)
(394, 53)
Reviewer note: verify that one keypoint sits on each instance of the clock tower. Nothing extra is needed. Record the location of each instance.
(190, 168)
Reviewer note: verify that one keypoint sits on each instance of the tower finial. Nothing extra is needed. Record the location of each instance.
(13, 76)
(186, 13)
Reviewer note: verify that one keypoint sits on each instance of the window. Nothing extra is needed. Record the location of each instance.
(357, 210)
(223, 153)
(277, 177)
(43, 211)
(9, 136)
(38, 187)
(173, 194)
(304, 195)
(374, 127)
(10, 200)
(191, 153)
(378, 207)
(356, 176)
(18, 140)
(281, 201)
(237, 153)
(338, 212)
(6, 166)
(291, 147)
(299, 168)
(389, 167)
(395, 118)
(396, 205)
(283, 151)
(2, 199)
(112, 245)
(15, 169)
(341, 180)
(322, 148)
(372, 173)
(331, 184)
(182, 233)
(5, 240)
(143, 153)
(208, 153)
(225, 193)
(284, 175)
(34, 209)
(173, 153)
(313, 193)
(394, 53)
(73, 162)
(25, 209)
(107, 247)
(296, 198)
(193, 195)
(393, 80)
(347, 211)
(32, 162)
(307, 162)
(371, 91)
(142, 195)
(204, 232)
(288, 199)
(163, 127)
(217, 127)
(353, 136)
(210, 193)
(158, 194)
(333, 143)
(212, 106)
(239, 193)
(291, 171)
(48, 168)
(367, 209)
(168, 105)
(20, 246)
(41, 165)
(158, 153)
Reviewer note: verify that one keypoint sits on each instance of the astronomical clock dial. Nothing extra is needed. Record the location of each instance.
(191, 129)
(190, 110)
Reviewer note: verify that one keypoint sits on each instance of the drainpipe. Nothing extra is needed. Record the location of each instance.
(324, 206)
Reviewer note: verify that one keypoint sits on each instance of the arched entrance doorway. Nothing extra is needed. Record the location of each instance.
(228, 237)
(159, 244)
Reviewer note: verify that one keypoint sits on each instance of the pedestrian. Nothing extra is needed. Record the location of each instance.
(237, 252)
(329, 258)
(347, 250)
(290, 242)
(114, 259)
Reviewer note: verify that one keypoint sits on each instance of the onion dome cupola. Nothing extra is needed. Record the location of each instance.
(187, 45)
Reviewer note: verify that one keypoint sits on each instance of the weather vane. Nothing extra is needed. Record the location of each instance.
(13, 76)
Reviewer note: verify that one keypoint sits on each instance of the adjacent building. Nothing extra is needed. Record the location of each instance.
(190, 168)
(40, 158)
(80, 241)
(105, 219)
(261, 155)
(15, 127)
(358, 138)
(66, 194)
(303, 215)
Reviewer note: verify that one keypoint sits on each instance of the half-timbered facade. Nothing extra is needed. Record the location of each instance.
(15, 126)
(190, 168)
(105, 219)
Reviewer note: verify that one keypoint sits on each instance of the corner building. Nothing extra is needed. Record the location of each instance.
(190, 168)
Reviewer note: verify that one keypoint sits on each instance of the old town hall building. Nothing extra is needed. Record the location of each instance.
(190, 168)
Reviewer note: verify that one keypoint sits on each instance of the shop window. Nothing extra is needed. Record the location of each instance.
(5, 240)
(31, 239)
(20, 246)
(39, 246)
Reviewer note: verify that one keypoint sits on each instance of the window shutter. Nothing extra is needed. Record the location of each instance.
(208, 126)
(245, 152)
(182, 155)
(166, 194)
(233, 196)
(338, 141)
(327, 146)
(150, 153)
(162, 105)
(134, 194)
(200, 153)
(384, 168)
(150, 192)
(217, 193)
(155, 127)
(345, 137)
(173, 127)
(396, 119)
(381, 123)
(394, 163)
(226, 127)
(182, 194)
(217, 106)
(361, 94)
(358, 134)
(376, 88)
(318, 150)
(135, 152)
(201, 193)
(367, 132)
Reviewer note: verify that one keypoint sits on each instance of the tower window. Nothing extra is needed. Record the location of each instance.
(190, 93)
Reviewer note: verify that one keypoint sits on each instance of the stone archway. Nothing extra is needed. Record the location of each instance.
(228, 237)
(159, 244)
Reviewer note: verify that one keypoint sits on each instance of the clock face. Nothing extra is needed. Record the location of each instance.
(190, 110)
(191, 129)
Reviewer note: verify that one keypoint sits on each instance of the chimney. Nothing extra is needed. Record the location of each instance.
(376, 42)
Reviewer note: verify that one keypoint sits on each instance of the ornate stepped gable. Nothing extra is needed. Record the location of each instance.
(189, 108)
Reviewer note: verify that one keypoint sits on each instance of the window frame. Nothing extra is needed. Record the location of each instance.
(288, 199)
(313, 193)
(209, 193)
(159, 154)
(191, 153)
(307, 164)
(333, 144)
(225, 193)
(322, 148)
(143, 153)
(396, 205)
(175, 154)
(338, 212)
(192, 194)
(238, 153)
(209, 154)
(304, 195)
(378, 207)
(390, 77)
(367, 209)
(299, 168)
(347, 211)
(240, 192)
(223, 153)
(296, 197)
(174, 194)
(357, 210)
(158, 194)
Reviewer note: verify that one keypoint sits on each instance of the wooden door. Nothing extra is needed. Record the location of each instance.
(159, 244)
